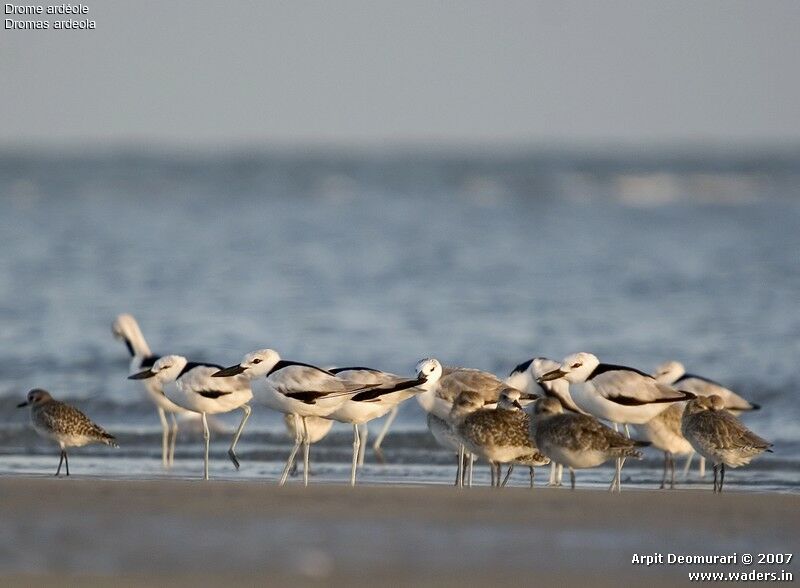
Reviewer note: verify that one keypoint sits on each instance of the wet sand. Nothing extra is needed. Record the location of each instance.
(188, 532)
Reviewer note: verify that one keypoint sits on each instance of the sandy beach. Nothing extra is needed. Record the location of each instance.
(189, 532)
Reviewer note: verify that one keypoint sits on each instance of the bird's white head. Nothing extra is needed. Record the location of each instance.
(574, 368)
(165, 369)
(429, 370)
(126, 329)
(254, 364)
(36, 396)
(669, 372)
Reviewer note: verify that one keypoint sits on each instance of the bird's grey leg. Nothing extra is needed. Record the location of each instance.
(232, 451)
(376, 447)
(66, 461)
(572, 478)
(297, 440)
(532, 474)
(460, 478)
(702, 469)
(721, 476)
(688, 465)
(499, 473)
(508, 475)
(613, 485)
(164, 438)
(671, 472)
(173, 438)
(715, 478)
(356, 447)
(306, 451)
(207, 438)
(470, 463)
(362, 443)
(664, 477)
(60, 461)
(491, 467)
(616, 482)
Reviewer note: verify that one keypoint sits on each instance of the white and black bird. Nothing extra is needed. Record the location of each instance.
(190, 386)
(673, 373)
(719, 436)
(295, 388)
(64, 424)
(386, 392)
(620, 394)
(126, 329)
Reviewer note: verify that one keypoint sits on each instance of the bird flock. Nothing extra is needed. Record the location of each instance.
(545, 412)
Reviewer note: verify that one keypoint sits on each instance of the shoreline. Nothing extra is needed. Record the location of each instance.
(157, 530)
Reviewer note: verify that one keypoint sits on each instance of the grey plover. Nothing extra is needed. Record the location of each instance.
(664, 432)
(577, 440)
(620, 394)
(719, 436)
(126, 329)
(64, 424)
(674, 374)
(500, 435)
(190, 386)
(295, 388)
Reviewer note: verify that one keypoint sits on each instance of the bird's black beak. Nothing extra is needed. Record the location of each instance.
(227, 372)
(22, 404)
(517, 404)
(554, 375)
(143, 375)
(529, 397)
(421, 378)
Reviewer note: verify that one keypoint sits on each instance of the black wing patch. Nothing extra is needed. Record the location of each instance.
(522, 367)
(149, 361)
(282, 364)
(628, 401)
(359, 368)
(193, 364)
(696, 377)
(607, 367)
(377, 392)
(306, 397)
(213, 393)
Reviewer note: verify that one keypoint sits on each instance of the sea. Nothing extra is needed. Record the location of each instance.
(381, 258)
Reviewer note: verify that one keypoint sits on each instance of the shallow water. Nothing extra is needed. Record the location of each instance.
(381, 260)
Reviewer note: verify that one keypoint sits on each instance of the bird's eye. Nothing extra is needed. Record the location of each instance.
(256, 361)
(576, 365)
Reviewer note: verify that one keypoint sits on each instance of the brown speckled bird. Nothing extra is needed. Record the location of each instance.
(497, 435)
(719, 436)
(577, 440)
(64, 424)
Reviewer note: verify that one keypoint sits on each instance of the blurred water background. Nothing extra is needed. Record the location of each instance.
(379, 259)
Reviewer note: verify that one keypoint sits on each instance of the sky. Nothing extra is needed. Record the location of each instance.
(197, 73)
